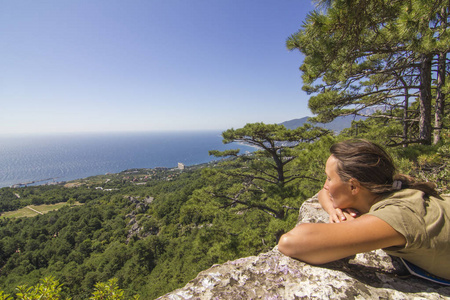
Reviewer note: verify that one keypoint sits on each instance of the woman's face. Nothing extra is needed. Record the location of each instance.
(340, 192)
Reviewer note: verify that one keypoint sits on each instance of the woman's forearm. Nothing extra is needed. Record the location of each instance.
(325, 201)
(320, 243)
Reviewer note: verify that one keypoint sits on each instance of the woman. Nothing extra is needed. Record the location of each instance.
(371, 207)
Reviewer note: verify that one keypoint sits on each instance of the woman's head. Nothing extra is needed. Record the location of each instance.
(366, 162)
(373, 167)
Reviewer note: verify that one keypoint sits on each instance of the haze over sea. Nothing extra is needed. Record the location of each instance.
(68, 157)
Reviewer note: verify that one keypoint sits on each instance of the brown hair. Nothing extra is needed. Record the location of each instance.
(373, 167)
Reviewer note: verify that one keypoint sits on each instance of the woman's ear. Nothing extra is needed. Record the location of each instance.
(355, 186)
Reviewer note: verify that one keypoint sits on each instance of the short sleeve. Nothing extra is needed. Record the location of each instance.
(404, 219)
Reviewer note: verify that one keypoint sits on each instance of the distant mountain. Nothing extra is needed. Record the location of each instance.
(295, 123)
(337, 125)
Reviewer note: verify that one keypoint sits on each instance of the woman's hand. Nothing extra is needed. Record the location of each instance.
(338, 215)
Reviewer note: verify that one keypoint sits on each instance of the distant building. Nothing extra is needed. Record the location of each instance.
(181, 166)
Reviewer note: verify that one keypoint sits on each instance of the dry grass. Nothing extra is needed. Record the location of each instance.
(26, 212)
(21, 213)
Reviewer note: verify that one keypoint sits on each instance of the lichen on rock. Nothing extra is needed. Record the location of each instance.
(272, 275)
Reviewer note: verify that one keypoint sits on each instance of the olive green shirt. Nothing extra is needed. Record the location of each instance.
(424, 221)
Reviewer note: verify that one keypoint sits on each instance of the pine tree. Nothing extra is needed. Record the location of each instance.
(366, 53)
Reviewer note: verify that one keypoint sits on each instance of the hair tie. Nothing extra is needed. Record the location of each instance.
(397, 185)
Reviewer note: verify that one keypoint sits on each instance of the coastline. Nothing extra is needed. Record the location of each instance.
(24, 184)
(46, 159)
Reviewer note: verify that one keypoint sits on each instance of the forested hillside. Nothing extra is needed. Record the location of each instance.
(152, 237)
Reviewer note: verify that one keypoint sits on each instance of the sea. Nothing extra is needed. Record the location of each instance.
(42, 159)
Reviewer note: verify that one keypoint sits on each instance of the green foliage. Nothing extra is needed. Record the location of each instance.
(49, 289)
(4, 296)
(265, 179)
(362, 54)
(427, 163)
(109, 291)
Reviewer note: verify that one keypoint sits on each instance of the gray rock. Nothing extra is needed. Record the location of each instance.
(272, 275)
(133, 200)
(149, 200)
(141, 207)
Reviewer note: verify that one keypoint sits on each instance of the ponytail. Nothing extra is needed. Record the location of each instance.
(408, 182)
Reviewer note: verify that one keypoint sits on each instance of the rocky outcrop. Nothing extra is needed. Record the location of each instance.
(272, 275)
(135, 228)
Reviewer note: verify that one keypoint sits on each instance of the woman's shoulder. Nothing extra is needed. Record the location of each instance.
(409, 205)
(401, 208)
(404, 197)
(406, 194)
(412, 198)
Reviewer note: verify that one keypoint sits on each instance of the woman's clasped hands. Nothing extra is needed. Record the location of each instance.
(338, 215)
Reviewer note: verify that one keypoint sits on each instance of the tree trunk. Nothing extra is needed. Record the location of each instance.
(280, 170)
(405, 117)
(440, 98)
(425, 99)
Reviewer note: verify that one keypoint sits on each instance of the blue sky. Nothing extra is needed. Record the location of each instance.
(148, 65)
